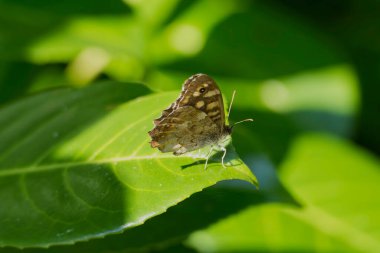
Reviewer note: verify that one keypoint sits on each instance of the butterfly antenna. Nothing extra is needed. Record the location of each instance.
(229, 108)
(241, 121)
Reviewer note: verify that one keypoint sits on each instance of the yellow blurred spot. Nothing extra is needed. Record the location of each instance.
(275, 95)
(87, 66)
(204, 241)
(186, 39)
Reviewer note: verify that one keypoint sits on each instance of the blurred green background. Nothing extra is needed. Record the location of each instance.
(308, 72)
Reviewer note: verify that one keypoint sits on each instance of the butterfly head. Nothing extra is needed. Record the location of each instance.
(228, 129)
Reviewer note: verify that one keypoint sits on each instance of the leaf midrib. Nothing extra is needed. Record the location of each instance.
(53, 166)
(65, 165)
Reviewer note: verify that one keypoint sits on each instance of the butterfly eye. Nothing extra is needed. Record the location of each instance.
(201, 90)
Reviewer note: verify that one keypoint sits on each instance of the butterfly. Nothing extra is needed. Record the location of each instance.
(195, 120)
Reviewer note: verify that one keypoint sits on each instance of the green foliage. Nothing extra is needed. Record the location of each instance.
(81, 82)
(334, 181)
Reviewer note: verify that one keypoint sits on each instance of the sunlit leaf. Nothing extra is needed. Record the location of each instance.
(76, 165)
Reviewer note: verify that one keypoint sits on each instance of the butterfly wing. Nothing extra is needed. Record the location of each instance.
(201, 92)
(184, 129)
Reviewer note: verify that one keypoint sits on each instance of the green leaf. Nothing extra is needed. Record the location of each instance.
(77, 165)
(336, 182)
(339, 187)
(201, 210)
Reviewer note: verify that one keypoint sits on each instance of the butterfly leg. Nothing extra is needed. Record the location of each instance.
(208, 156)
(224, 154)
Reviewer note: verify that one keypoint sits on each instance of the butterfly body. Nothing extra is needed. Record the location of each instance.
(195, 120)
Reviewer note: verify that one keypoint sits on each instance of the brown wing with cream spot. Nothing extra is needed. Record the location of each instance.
(200, 91)
(185, 129)
(176, 103)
